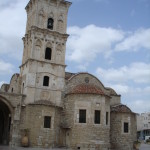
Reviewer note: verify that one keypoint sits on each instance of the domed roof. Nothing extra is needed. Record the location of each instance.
(121, 108)
(112, 91)
(87, 89)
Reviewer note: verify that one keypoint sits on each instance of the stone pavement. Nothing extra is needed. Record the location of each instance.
(21, 148)
(144, 147)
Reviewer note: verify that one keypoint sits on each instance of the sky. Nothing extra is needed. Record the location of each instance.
(108, 38)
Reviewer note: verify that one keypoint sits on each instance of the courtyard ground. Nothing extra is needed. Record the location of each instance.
(143, 147)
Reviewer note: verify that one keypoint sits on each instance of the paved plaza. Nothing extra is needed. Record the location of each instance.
(21, 148)
(143, 147)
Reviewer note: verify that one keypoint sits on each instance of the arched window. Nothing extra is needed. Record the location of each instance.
(48, 53)
(50, 23)
(46, 81)
(12, 90)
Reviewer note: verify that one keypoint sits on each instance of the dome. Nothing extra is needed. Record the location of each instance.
(121, 108)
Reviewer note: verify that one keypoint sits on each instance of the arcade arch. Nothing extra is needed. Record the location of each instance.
(5, 121)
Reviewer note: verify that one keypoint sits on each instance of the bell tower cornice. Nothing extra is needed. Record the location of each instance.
(46, 32)
(50, 2)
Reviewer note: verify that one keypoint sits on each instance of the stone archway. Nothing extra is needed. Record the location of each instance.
(5, 122)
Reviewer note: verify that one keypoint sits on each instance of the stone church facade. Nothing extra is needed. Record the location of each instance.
(58, 108)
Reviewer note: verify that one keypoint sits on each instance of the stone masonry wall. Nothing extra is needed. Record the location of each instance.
(119, 139)
(86, 135)
(33, 120)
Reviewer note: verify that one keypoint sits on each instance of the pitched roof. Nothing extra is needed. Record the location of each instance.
(87, 89)
(121, 108)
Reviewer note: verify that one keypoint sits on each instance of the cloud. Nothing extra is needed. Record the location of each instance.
(137, 98)
(85, 43)
(132, 82)
(6, 68)
(12, 46)
(125, 89)
(138, 72)
(140, 105)
(83, 67)
(135, 41)
(12, 27)
(1, 83)
(6, 3)
(119, 88)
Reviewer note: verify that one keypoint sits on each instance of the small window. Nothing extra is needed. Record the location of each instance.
(97, 116)
(46, 81)
(48, 53)
(12, 90)
(50, 23)
(47, 122)
(107, 118)
(82, 116)
(126, 127)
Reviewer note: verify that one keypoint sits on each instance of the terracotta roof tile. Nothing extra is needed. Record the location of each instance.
(87, 89)
(121, 108)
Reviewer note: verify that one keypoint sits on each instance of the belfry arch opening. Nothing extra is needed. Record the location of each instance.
(5, 123)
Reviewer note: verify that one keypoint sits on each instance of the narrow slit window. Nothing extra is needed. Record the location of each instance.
(126, 127)
(46, 81)
(82, 116)
(47, 122)
(48, 53)
(50, 23)
(107, 118)
(97, 116)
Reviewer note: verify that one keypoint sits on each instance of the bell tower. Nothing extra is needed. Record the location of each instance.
(43, 63)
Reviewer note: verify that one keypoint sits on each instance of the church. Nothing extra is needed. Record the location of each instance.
(54, 108)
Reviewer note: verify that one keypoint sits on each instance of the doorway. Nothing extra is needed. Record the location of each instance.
(5, 122)
(68, 138)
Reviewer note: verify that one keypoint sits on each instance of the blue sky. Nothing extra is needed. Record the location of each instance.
(108, 38)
